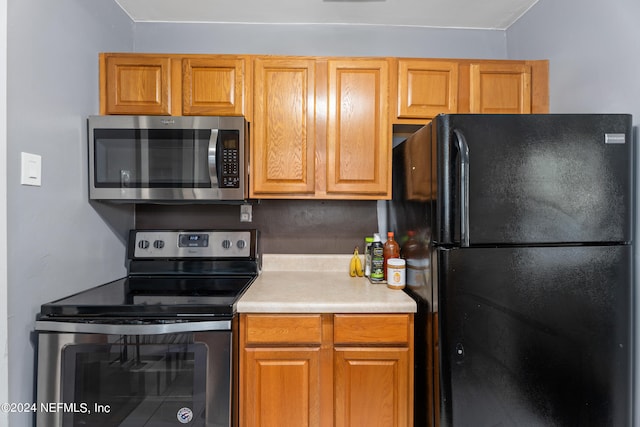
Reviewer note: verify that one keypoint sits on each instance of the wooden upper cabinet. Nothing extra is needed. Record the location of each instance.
(358, 157)
(320, 128)
(283, 131)
(135, 84)
(173, 84)
(421, 184)
(500, 88)
(426, 88)
(213, 85)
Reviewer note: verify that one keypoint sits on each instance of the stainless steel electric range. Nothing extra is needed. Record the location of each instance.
(155, 348)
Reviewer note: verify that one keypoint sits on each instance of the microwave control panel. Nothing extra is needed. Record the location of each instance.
(230, 173)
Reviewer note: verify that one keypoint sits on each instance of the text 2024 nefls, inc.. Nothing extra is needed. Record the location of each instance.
(55, 407)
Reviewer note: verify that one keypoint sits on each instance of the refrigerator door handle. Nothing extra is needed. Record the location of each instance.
(463, 149)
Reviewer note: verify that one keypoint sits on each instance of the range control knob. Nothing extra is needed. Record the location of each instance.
(143, 244)
(158, 244)
(241, 244)
(226, 243)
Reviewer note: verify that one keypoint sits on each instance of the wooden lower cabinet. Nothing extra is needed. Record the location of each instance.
(372, 387)
(281, 387)
(325, 370)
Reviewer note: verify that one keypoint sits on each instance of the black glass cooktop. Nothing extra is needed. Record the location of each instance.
(171, 274)
(169, 296)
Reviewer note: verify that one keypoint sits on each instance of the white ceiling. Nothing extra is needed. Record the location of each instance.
(481, 14)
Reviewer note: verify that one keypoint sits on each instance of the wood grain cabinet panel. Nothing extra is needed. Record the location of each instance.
(360, 373)
(421, 181)
(500, 88)
(426, 88)
(321, 128)
(287, 329)
(372, 387)
(358, 135)
(371, 329)
(136, 84)
(281, 387)
(213, 85)
(283, 132)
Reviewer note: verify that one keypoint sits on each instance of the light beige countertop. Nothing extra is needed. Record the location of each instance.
(318, 284)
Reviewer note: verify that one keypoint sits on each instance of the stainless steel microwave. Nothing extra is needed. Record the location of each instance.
(168, 158)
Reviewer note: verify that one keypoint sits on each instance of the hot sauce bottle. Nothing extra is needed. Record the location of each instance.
(391, 249)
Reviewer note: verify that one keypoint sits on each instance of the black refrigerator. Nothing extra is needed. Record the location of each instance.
(524, 273)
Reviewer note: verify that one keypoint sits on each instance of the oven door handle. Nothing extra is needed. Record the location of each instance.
(133, 329)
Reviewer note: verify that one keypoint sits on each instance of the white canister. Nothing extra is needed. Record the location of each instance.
(396, 273)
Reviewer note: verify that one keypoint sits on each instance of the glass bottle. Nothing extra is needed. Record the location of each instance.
(377, 259)
(391, 249)
(368, 241)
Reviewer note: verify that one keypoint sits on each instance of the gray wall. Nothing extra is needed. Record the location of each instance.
(58, 243)
(309, 39)
(592, 46)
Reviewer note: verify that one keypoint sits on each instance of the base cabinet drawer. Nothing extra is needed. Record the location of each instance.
(279, 329)
(371, 329)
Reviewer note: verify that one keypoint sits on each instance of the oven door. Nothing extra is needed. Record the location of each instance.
(134, 375)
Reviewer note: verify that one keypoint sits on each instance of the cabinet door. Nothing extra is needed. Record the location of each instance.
(283, 132)
(426, 88)
(500, 88)
(372, 387)
(213, 86)
(281, 387)
(358, 135)
(137, 85)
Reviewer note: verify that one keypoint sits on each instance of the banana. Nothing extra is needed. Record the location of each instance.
(359, 269)
(352, 267)
(355, 266)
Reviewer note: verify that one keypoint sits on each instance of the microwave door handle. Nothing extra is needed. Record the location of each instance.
(213, 157)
